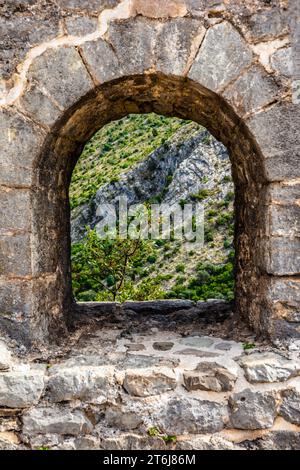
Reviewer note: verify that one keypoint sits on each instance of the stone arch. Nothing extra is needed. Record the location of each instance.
(178, 66)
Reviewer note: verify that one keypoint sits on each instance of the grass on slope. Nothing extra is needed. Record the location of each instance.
(117, 147)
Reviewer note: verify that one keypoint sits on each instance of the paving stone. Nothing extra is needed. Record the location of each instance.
(223, 346)
(222, 57)
(269, 367)
(135, 347)
(290, 406)
(210, 376)
(55, 421)
(22, 387)
(152, 382)
(252, 409)
(197, 341)
(139, 361)
(190, 415)
(163, 345)
(196, 353)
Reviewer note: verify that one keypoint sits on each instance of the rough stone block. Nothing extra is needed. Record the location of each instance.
(22, 387)
(272, 130)
(144, 383)
(268, 24)
(176, 43)
(284, 289)
(284, 220)
(283, 166)
(281, 61)
(222, 56)
(56, 421)
(279, 440)
(290, 406)
(23, 26)
(123, 419)
(182, 416)
(62, 73)
(269, 367)
(133, 42)
(90, 384)
(20, 141)
(281, 256)
(15, 254)
(253, 90)
(91, 6)
(101, 60)
(39, 106)
(15, 299)
(160, 8)
(81, 25)
(210, 376)
(252, 409)
(15, 209)
(284, 193)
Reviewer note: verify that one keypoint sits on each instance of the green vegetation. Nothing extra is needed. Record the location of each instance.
(145, 270)
(117, 147)
(104, 269)
(155, 432)
(247, 346)
(211, 282)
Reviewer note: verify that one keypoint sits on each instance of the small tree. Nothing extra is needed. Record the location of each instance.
(104, 265)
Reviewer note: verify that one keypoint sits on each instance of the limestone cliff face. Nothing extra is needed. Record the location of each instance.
(196, 167)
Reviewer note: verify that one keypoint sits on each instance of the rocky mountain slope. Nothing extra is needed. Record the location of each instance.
(171, 162)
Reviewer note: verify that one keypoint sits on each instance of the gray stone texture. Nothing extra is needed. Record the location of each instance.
(21, 388)
(155, 57)
(101, 60)
(143, 383)
(56, 421)
(252, 409)
(273, 128)
(253, 90)
(5, 357)
(190, 416)
(91, 384)
(222, 57)
(20, 141)
(269, 367)
(290, 406)
(62, 73)
(210, 376)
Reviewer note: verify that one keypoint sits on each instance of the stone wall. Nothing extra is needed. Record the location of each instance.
(151, 385)
(71, 66)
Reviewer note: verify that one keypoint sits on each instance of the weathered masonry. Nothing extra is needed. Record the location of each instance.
(71, 66)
